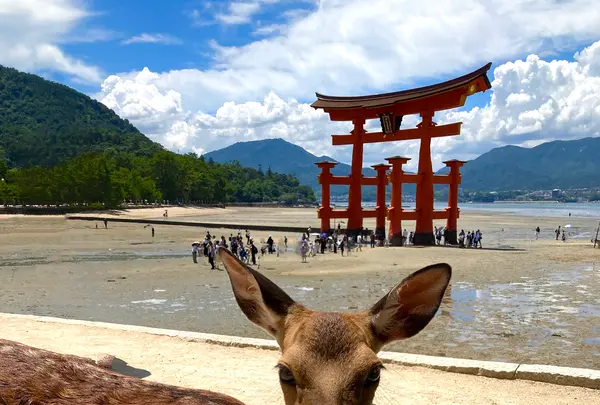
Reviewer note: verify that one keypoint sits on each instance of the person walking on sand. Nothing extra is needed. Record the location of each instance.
(270, 243)
(153, 232)
(253, 251)
(195, 252)
(557, 232)
(303, 249)
(211, 255)
(105, 223)
(359, 243)
(342, 246)
(537, 233)
(564, 236)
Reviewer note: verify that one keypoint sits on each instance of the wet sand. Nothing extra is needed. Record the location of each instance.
(521, 300)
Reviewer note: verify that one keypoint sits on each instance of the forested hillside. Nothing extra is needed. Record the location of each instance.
(43, 123)
(58, 146)
(107, 179)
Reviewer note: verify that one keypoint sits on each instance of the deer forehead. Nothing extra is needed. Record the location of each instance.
(313, 338)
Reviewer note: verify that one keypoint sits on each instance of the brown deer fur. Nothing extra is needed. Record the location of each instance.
(30, 376)
(328, 358)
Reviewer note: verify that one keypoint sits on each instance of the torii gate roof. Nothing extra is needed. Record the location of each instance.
(456, 89)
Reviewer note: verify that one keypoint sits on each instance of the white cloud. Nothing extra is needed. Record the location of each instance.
(357, 46)
(532, 101)
(91, 35)
(269, 29)
(556, 100)
(239, 12)
(30, 31)
(146, 38)
(139, 100)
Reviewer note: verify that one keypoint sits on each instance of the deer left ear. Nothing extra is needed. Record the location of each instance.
(261, 300)
(410, 305)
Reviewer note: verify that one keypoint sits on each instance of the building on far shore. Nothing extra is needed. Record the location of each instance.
(556, 193)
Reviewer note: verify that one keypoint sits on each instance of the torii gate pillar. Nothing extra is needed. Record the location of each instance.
(424, 228)
(395, 211)
(382, 181)
(453, 211)
(355, 214)
(324, 211)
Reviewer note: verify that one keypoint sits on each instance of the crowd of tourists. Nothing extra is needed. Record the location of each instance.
(310, 244)
(336, 242)
(243, 248)
(472, 239)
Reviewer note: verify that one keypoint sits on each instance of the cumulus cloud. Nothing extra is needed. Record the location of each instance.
(357, 46)
(146, 38)
(30, 31)
(531, 101)
(153, 111)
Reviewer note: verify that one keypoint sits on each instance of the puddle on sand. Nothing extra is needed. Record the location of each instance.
(152, 301)
(530, 311)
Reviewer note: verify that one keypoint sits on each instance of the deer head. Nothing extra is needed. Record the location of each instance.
(330, 358)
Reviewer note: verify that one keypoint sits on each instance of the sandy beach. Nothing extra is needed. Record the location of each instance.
(519, 300)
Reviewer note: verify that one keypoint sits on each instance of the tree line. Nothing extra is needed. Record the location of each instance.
(108, 179)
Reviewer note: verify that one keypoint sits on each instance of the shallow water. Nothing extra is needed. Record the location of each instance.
(553, 316)
(559, 311)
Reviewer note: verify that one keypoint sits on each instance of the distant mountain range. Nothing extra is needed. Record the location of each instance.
(557, 164)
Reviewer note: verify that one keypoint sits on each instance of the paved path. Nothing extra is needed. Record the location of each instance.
(249, 375)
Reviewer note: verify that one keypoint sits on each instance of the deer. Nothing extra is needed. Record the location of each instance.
(327, 358)
(330, 358)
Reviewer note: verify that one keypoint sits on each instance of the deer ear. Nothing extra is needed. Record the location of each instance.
(410, 305)
(262, 301)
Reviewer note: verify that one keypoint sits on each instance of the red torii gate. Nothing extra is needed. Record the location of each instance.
(390, 108)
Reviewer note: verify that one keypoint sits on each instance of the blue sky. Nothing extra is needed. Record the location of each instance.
(192, 26)
(198, 75)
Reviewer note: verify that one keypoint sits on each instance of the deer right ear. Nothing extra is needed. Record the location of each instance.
(262, 301)
(411, 305)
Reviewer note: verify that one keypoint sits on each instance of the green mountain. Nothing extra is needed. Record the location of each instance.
(285, 157)
(60, 147)
(43, 123)
(556, 164)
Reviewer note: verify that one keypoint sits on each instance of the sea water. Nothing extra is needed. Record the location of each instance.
(530, 209)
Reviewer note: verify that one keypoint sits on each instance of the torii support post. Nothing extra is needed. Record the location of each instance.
(424, 228)
(453, 211)
(395, 211)
(324, 211)
(382, 181)
(355, 214)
